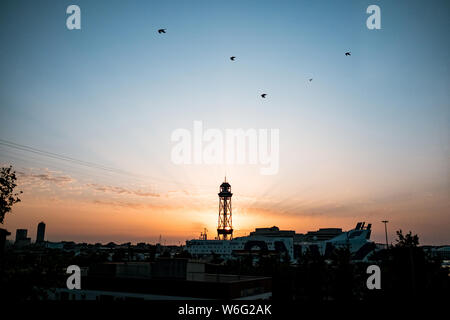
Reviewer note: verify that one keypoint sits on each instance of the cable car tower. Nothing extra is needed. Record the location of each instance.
(225, 226)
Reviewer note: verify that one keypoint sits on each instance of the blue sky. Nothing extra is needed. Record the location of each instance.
(375, 124)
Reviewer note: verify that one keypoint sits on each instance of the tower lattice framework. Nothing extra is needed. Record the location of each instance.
(225, 225)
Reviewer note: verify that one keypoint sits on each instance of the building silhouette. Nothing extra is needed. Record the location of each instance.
(21, 238)
(40, 236)
(21, 234)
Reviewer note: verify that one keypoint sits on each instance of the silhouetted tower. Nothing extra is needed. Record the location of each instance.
(225, 226)
(40, 235)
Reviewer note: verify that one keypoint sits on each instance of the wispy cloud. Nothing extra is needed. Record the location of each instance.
(47, 176)
(118, 204)
(121, 190)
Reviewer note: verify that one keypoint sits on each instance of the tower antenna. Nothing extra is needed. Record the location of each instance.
(225, 225)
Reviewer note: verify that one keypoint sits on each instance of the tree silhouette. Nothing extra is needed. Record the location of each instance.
(7, 195)
(408, 240)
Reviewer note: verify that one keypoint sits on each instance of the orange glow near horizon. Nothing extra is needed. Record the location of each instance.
(86, 211)
(118, 221)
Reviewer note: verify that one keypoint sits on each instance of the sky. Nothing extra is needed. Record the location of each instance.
(368, 139)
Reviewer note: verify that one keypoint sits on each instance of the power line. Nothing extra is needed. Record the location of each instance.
(88, 164)
(61, 157)
(15, 155)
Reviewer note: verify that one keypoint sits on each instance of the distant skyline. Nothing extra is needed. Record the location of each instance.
(367, 140)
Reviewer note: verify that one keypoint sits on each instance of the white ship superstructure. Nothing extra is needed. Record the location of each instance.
(240, 245)
(275, 241)
(356, 240)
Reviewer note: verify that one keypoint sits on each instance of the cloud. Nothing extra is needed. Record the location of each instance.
(45, 177)
(55, 179)
(134, 205)
(118, 204)
(121, 190)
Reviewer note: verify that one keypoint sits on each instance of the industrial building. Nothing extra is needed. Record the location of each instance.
(164, 279)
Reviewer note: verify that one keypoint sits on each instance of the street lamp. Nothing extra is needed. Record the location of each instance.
(385, 231)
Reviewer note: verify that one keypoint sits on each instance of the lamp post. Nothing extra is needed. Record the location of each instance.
(385, 231)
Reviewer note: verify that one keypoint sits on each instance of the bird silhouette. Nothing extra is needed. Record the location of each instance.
(348, 53)
(232, 58)
(310, 80)
(263, 95)
(162, 31)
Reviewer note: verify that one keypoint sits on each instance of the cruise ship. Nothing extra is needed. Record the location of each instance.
(324, 241)
(272, 241)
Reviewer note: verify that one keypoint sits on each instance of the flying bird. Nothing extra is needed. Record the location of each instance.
(263, 95)
(232, 58)
(310, 79)
(348, 53)
(162, 31)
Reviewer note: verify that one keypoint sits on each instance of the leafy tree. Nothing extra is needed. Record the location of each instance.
(342, 274)
(7, 195)
(408, 240)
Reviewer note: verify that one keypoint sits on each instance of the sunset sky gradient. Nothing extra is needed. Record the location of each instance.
(367, 140)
